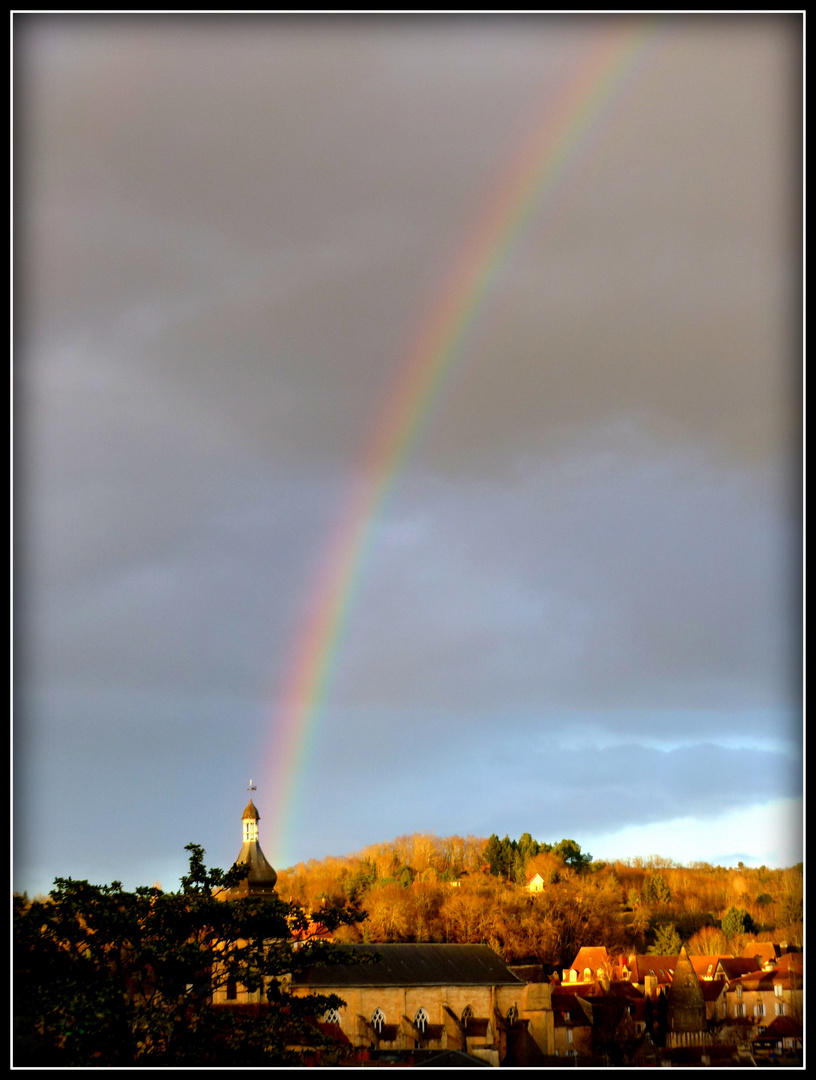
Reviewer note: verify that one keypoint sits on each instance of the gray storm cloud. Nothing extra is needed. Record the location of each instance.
(229, 229)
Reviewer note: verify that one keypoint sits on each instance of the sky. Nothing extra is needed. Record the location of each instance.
(407, 416)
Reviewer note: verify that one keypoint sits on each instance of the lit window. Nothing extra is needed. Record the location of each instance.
(777, 989)
(569, 1035)
(378, 1020)
(759, 1010)
(779, 1008)
(421, 1019)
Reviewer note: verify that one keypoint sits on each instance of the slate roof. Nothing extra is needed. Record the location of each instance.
(261, 876)
(734, 966)
(416, 965)
(686, 1002)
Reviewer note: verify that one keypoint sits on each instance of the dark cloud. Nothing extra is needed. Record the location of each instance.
(230, 232)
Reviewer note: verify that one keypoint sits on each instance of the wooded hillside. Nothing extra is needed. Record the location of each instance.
(468, 889)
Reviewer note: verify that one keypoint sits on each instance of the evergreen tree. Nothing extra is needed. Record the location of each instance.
(667, 941)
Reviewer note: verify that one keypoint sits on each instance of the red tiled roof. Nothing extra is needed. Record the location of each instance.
(701, 964)
(763, 951)
(783, 1027)
(662, 967)
(792, 961)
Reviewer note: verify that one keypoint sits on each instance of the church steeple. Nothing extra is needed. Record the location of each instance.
(261, 876)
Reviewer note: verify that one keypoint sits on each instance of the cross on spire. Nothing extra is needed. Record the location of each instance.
(251, 786)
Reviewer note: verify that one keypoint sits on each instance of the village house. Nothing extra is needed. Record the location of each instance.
(465, 1002)
(754, 1001)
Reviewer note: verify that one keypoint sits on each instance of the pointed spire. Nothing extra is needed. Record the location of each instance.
(686, 1003)
(261, 876)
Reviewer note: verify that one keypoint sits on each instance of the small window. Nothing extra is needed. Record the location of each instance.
(777, 990)
(378, 1020)
(332, 1017)
(467, 1015)
(421, 1019)
(569, 1035)
(512, 1014)
(759, 1010)
(779, 1008)
(232, 990)
(739, 991)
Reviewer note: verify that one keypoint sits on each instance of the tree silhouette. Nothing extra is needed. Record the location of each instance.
(107, 977)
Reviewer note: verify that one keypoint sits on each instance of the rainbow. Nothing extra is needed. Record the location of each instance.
(541, 167)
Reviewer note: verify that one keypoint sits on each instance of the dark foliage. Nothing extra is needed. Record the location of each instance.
(111, 978)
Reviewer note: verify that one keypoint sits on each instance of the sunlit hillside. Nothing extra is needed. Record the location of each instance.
(454, 889)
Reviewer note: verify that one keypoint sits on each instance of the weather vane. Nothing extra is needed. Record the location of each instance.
(251, 786)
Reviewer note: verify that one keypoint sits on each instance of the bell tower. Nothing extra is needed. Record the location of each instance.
(261, 876)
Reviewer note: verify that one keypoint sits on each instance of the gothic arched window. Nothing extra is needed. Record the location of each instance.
(512, 1014)
(421, 1019)
(332, 1017)
(467, 1014)
(378, 1020)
